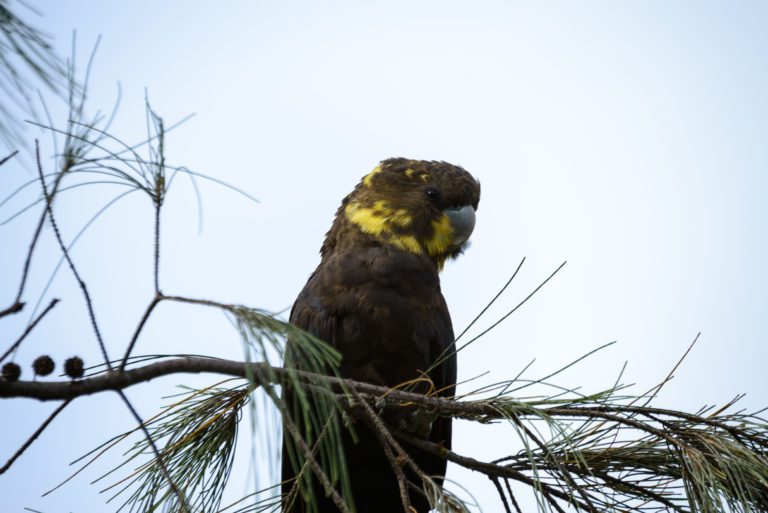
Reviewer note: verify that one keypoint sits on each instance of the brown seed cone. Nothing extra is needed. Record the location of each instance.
(73, 367)
(10, 372)
(43, 365)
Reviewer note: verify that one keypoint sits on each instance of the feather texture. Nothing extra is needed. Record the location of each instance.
(380, 305)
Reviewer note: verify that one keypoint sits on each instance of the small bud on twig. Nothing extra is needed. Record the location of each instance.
(43, 365)
(11, 372)
(73, 367)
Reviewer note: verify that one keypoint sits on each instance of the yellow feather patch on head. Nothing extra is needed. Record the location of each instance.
(413, 173)
(407, 242)
(441, 238)
(381, 206)
(368, 179)
(368, 219)
(401, 218)
(378, 220)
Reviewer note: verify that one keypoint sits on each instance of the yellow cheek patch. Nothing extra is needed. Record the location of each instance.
(377, 221)
(408, 243)
(401, 218)
(442, 237)
(368, 180)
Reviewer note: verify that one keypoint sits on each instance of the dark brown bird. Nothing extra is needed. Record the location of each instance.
(376, 298)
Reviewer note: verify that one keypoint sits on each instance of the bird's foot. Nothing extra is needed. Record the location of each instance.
(419, 422)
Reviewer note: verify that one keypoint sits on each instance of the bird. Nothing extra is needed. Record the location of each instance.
(376, 298)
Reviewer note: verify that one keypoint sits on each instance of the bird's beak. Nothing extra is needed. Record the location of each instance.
(463, 222)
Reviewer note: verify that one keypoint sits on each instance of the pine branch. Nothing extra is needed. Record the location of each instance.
(670, 440)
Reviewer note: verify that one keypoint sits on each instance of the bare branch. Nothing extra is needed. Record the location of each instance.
(63, 247)
(34, 436)
(387, 443)
(512, 496)
(29, 329)
(500, 491)
(139, 328)
(489, 469)
(156, 451)
(18, 304)
(8, 157)
(309, 455)
(14, 308)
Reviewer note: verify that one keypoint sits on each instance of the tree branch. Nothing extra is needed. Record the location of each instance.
(8, 157)
(16, 307)
(49, 209)
(387, 442)
(503, 498)
(29, 329)
(34, 436)
(158, 455)
(489, 469)
(155, 301)
(673, 442)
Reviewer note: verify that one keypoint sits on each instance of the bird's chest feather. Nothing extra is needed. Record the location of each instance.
(382, 309)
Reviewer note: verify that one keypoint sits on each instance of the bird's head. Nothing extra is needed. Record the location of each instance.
(423, 207)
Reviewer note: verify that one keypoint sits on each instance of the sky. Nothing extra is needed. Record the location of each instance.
(629, 139)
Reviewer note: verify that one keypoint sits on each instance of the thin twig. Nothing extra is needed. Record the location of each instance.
(158, 205)
(158, 456)
(402, 481)
(9, 157)
(653, 392)
(491, 302)
(155, 301)
(34, 436)
(512, 496)
(387, 442)
(564, 472)
(495, 481)
(290, 426)
(28, 259)
(63, 247)
(513, 310)
(452, 350)
(14, 308)
(489, 469)
(194, 301)
(39, 227)
(29, 329)
(290, 497)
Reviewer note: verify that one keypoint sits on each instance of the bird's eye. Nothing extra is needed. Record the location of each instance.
(432, 193)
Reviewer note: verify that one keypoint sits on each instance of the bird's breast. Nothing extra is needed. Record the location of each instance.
(387, 310)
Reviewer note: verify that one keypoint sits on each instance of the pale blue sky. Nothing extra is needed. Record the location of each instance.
(629, 138)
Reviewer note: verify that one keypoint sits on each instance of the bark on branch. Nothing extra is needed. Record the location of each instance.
(119, 380)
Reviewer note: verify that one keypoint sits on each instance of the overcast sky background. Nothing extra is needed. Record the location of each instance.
(628, 138)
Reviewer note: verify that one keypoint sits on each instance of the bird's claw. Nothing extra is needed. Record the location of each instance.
(419, 422)
(380, 405)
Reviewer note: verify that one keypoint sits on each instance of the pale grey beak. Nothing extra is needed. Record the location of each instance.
(463, 222)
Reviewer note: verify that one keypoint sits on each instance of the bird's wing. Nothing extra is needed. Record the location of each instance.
(388, 319)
